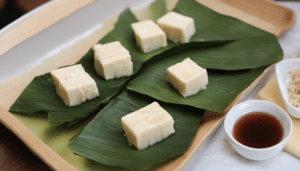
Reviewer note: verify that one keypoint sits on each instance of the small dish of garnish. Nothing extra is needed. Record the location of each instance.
(257, 129)
(288, 79)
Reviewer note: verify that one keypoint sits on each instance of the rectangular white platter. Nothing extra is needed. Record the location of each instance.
(63, 38)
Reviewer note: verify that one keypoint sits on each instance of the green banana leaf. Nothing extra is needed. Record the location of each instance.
(228, 55)
(211, 25)
(213, 30)
(103, 140)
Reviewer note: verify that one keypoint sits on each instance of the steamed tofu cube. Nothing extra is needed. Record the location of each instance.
(148, 36)
(74, 85)
(178, 28)
(112, 60)
(187, 77)
(147, 126)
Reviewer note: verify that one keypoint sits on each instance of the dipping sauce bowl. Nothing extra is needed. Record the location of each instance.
(257, 106)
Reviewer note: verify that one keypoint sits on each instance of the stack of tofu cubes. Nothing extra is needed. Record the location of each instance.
(112, 60)
(147, 126)
(148, 36)
(187, 77)
(74, 85)
(178, 28)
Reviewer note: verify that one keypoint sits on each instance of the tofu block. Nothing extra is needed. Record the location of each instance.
(148, 36)
(187, 77)
(147, 126)
(112, 60)
(74, 85)
(178, 28)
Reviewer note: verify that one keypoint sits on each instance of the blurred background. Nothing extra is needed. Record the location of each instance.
(13, 9)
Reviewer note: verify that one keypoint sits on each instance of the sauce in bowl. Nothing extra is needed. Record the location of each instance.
(258, 130)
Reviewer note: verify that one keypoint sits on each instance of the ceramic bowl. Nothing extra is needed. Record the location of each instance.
(257, 106)
(283, 78)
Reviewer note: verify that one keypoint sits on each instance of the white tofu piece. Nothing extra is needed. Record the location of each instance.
(147, 126)
(187, 77)
(178, 28)
(112, 60)
(74, 85)
(148, 36)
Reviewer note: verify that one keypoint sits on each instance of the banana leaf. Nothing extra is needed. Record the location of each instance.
(213, 30)
(211, 25)
(103, 140)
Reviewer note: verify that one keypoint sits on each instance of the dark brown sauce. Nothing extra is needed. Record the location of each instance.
(258, 130)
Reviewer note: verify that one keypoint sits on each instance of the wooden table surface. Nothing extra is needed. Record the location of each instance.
(17, 152)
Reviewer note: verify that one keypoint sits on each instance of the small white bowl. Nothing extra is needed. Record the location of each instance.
(283, 78)
(257, 106)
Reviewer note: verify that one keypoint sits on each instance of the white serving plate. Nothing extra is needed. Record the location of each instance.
(66, 33)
